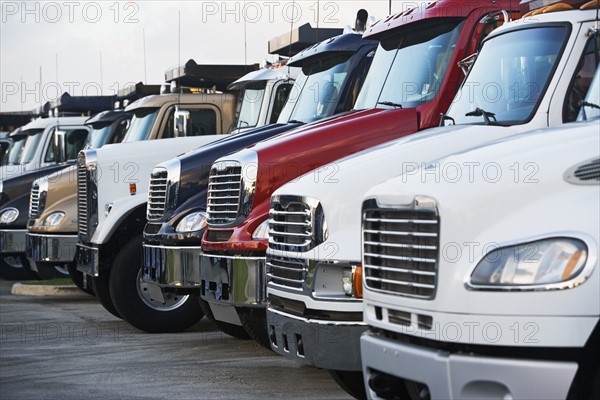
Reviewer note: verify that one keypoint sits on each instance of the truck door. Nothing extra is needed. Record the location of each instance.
(203, 120)
(75, 138)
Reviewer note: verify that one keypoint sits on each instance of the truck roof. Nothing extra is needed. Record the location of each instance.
(45, 122)
(265, 74)
(430, 10)
(162, 99)
(346, 43)
(106, 116)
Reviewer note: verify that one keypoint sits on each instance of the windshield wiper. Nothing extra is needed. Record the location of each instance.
(295, 121)
(478, 112)
(390, 103)
(583, 104)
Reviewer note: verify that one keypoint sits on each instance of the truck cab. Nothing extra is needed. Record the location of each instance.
(177, 219)
(52, 225)
(314, 285)
(41, 147)
(510, 303)
(417, 46)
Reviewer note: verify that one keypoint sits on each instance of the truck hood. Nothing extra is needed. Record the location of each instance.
(528, 193)
(131, 163)
(340, 186)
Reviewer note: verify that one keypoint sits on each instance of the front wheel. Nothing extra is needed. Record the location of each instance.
(100, 288)
(48, 270)
(138, 303)
(78, 279)
(351, 381)
(16, 268)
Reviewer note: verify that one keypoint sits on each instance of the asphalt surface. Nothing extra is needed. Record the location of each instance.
(71, 348)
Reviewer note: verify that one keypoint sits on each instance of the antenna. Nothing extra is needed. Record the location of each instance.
(144, 43)
(318, 17)
(291, 28)
(178, 55)
(41, 101)
(245, 41)
(390, 8)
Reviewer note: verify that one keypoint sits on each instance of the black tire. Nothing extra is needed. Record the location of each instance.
(182, 311)
(100, 285)
(254, 321)
(48, 270)
(16, 268)
(351, 381)
(236, 331)
(77, 278)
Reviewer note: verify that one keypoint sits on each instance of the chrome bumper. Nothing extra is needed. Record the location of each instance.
(88, 259)
(238, 281)
(12, 240)
(323, 344)
(172, 266)
(453, 376)
(51, 248)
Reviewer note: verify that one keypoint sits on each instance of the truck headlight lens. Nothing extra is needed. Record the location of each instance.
(9, 215)
(261, 231)
(542, 262)
(54, 219)
(192, 222)
(352, 281)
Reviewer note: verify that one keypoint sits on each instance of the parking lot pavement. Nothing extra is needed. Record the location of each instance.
(71, 348)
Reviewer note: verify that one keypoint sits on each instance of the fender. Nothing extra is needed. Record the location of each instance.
(120, 210)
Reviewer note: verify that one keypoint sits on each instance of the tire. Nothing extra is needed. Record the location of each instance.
(236, 331)
(16, 268)
(254, 321)
(48, 270)
(351, 381)
(77, 278)
(133, 301)
(100, 285)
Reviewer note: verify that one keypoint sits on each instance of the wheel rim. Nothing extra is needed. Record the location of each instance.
(172, 300)
(62, 269)
(13, 261)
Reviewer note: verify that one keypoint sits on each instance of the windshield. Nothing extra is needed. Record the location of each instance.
(590, 108)
(509, 77)
(99, 136)
(15, 151)
(408, 69)
(250, 110)
(315, 94)
(141, 124)
(30, 146)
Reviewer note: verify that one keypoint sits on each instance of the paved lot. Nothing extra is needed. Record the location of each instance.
(70, 348)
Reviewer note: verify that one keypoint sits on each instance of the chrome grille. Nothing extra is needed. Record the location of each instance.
(224, 188)
(290, 226)
(157, 194)
(286, 271)
(82, 209)
(34, 201)
(400, 250)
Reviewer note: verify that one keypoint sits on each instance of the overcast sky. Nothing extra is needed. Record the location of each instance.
(81, 33)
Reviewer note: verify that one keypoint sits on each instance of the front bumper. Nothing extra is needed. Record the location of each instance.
(51, 248)
(167, 266)
(12, 241)
(233, 280)
(88, 259)
(324, 344)
(454, 376)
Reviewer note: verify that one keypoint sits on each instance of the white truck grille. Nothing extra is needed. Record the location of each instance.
(400, 251)
(82, 211)
(290, 226)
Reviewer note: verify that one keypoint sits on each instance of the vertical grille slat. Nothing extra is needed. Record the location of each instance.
(224, 192)
(157, 194)
(82, 197)
(34, 201)
(400, 251)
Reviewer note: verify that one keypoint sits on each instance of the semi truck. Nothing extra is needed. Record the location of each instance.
(314, 288)
(177, 219)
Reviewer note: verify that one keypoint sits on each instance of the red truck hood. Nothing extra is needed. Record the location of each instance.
(294, 154)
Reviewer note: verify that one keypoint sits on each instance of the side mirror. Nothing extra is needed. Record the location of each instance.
(182, 123)
(60, 147)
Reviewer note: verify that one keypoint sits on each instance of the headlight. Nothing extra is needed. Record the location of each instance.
(524, 266)
(54, 219)
(352, 281)
(261, 231)
(192, 222)
(9, 215)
